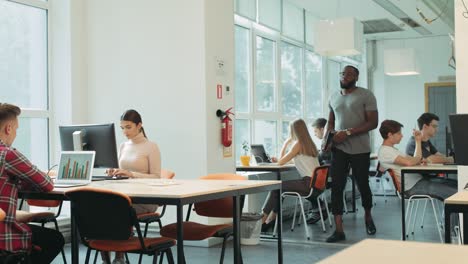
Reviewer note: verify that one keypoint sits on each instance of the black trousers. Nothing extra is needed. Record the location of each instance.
(340, 164)
(49, 240)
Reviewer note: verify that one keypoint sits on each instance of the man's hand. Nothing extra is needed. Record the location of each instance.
(340, 136)
(417, 135)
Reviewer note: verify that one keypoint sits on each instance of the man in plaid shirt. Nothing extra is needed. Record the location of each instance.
(17, 173)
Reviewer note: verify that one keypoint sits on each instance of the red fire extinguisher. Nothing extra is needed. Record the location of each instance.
(226, 126)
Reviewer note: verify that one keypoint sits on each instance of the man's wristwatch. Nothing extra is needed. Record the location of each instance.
(348, 132)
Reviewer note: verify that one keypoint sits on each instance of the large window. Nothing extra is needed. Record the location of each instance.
(24, 73)
(280, 82)
(291, 80)
(265, 75)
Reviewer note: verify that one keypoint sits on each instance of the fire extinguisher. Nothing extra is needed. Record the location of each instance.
(226, 126)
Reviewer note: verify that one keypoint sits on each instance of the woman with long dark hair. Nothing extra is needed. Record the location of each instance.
(138, 158)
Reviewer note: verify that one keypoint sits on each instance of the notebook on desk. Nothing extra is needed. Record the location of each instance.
(75, 168)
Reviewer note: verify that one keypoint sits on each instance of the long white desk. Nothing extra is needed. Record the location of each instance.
(457, 203)
(370, 251)
(183, 192)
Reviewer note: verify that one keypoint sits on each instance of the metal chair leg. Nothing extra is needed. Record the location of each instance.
(303, 215)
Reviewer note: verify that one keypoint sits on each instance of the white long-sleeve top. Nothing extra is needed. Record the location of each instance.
(143, 158)
(140, 156)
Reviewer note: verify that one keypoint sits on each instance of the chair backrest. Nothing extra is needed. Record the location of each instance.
(379, 170)
(44, 203)
(395, 180)
(102, 214)
(219, 207)
(167, 174)
(320, 178)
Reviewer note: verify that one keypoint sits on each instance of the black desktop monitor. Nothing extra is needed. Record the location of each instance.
(459, 127)
(99, 137)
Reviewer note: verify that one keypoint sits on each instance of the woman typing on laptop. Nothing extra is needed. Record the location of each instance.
(299, 148)
(138, 158)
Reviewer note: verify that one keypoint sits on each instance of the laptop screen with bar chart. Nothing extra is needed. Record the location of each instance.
(75, 168)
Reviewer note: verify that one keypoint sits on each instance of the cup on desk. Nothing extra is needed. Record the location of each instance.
(245, 160)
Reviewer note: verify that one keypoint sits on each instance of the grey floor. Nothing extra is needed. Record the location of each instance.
(298, 250)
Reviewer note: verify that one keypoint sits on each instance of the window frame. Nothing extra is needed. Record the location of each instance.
(258, 30)
(42, 113)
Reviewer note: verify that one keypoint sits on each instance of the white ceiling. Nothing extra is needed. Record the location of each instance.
(370, 10)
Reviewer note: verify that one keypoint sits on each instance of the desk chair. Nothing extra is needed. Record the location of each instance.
(414, 210)
(148, 218)
(215, 208)
(380, 175)
(41, 217)
(317, 187)
(95, 211)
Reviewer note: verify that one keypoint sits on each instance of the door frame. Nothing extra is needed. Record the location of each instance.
(427, 86)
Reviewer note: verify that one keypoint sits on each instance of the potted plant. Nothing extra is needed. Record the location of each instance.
(245, 159)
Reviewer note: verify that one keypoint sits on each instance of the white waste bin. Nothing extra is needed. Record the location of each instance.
(250, 226)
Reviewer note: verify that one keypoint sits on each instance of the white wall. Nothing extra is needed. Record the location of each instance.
(401, 98)
(461, 38)
(157, 58)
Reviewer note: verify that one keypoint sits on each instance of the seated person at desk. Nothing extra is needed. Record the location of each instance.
(303, 152)
(18, 174)
(138, 158)
(392, 158)
(428, 123)
(319, 131)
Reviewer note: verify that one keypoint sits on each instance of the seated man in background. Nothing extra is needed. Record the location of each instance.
(428, 124)
(319, 131)
(391, 158)
(18, 174)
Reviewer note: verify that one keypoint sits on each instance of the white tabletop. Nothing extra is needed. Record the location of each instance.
(163, 188)
(458, 198)
(267, 166)
(392, 251)
(432, 167)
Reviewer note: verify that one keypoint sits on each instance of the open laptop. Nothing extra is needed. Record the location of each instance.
(261, 157)
(75, 168)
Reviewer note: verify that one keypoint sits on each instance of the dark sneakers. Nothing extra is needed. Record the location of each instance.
(336, 237)
(370, 227)
(267, 227)
(316, 217)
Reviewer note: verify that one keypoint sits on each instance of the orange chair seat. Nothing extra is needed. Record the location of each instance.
(196, 231)
(132, 244)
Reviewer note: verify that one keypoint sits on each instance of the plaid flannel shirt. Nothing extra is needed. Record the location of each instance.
(17, 173)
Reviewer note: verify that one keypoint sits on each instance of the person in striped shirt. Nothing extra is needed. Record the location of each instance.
(17, 173)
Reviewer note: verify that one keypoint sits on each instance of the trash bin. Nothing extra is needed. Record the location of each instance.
(250, 226)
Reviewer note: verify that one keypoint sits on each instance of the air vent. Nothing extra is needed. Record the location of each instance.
(416, 26)
(379, 26)
(398, 13)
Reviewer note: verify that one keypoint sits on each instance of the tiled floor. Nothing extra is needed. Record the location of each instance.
(297, 249)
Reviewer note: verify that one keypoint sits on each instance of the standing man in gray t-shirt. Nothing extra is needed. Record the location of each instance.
(353, 113)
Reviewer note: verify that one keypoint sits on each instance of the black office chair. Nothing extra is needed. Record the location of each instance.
(95, 213)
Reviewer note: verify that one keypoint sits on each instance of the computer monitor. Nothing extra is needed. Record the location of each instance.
(459, 127)
(97, 137)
